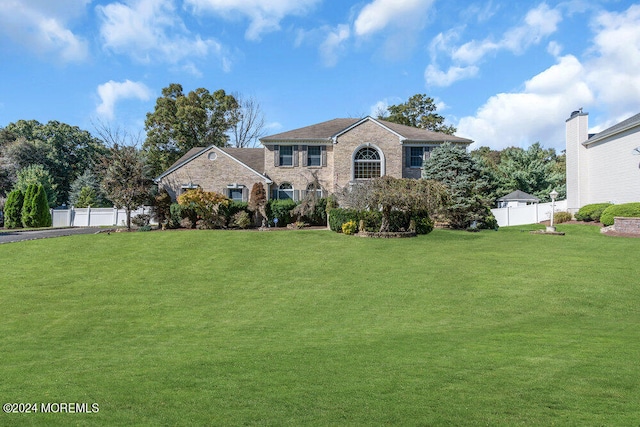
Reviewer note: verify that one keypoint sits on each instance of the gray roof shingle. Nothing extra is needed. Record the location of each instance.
(331, 128)
(625, 124)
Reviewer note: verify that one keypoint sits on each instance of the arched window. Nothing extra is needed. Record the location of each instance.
(367, 164)
(285, 191)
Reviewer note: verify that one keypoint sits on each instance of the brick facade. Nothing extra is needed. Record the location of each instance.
(338, 140)
(211, 172)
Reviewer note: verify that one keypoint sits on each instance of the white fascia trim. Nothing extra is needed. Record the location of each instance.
(359, 122)
(604, 137)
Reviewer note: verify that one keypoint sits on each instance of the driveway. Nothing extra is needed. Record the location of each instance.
(17, 236)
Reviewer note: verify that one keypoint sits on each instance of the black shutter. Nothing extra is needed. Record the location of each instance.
(407, 157)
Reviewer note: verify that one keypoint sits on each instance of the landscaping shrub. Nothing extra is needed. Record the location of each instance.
(338, 216)
(13, 209)
(231, 210)
(560, 217)
(591, 212)
(141, 220)
(349, 227)
(623, 210)
(35, 208)
(423, 223)
(161, 208)
(280, 209)
(241, 219)
(398, 221)
(182, 216)
(175, 215)
(371, 220)
(144, 228)
(319, 215)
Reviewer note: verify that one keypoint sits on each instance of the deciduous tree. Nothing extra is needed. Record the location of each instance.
(65, 151)
(420, 112)
(126, 180)
(180, 122)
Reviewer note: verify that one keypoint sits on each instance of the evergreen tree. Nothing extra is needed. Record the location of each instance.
(29, 206)
(87, 179)
(37, 175)
(461, 174)
(13, 209)
(41, 213)
(86, 198)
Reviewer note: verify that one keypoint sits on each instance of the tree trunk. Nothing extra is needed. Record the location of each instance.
(386, 214)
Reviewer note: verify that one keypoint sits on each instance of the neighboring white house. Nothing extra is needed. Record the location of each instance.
(603, 167)
(517, 198)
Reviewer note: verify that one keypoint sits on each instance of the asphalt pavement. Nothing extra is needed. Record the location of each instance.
(10, 236)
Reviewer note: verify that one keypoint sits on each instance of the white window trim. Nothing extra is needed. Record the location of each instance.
(383, 162)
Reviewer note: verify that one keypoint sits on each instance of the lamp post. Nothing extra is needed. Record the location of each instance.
(553, 195)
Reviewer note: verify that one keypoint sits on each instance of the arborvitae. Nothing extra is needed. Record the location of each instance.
(42, 213)
(13, 209)
(28, 206)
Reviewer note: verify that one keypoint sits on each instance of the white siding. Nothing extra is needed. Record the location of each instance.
(614, 175)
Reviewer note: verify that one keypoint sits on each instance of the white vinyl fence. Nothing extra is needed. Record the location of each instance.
(530, 214)
(93, 217)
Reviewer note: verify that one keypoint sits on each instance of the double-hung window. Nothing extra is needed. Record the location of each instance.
(314, 155)
(286, 155)
(417, 156)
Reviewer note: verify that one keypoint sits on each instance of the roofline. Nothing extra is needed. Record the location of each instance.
(604, 135)
(443, 141)
(175, 167)
(364, 119)
(297, 141)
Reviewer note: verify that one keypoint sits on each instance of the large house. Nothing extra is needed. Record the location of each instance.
(334, 154)
(602, 167)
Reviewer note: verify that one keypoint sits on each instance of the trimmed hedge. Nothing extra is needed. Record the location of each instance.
(280, 209)
(398, 221)
(627, 210)
(591, 212)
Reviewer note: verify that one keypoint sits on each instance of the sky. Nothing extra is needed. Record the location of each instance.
(505, 73)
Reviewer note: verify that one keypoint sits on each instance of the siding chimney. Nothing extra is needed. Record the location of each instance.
(577, 162)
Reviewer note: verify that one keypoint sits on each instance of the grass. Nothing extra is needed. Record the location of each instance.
(316, 328)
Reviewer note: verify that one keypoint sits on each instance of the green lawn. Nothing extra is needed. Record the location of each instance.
(312, 327)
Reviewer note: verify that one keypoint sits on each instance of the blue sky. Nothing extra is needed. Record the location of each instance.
(505, 73)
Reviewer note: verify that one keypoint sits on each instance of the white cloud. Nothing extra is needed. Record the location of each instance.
(613, 73)
(264, 16)
(380, 14)
(535, 114)
(539, 23)
(111, 92)
(41, 27)
(607, 81)
(333, 44)
(151, 30)
(436, 77)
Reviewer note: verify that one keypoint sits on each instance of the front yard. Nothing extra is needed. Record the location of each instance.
(314, 327)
